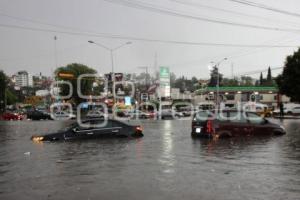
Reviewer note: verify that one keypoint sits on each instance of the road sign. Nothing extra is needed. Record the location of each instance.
(65, 75)
(164, 72)
(164, 82)
(144, 96)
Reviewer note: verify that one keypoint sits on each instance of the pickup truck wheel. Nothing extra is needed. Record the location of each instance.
(277, 133)
(224, 134)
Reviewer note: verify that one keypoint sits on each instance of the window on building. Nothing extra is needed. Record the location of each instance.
(261, 97)
(230, 96)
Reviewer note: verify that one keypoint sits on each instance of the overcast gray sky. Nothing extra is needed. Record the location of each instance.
(27, 29)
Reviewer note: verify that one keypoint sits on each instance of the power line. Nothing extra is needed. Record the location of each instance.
(112, 36)
(198, 5)
(262, 6)
(41, 22)
(258, 71)
(235, 54)
(164, 11)
(18, 59)
(186, 3)
(153, 8)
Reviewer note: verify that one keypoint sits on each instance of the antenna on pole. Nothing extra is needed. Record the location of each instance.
(55, 57)
(55, 51)
(232, 75)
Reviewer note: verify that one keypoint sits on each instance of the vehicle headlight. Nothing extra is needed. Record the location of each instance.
(37, 138)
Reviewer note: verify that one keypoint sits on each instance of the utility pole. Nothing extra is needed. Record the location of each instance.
(146, 77)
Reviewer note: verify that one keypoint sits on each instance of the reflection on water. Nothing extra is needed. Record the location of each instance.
(167, 157)
(166, 163)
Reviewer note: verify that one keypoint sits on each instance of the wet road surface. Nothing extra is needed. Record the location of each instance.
(166, 163)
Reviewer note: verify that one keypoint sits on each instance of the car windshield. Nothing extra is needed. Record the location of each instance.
(203, 115)
(254, 118)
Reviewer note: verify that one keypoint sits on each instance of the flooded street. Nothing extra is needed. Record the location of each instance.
(165, 164)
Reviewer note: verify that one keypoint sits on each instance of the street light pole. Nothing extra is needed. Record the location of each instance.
(218, 80)
(111, 50)
(112, 60)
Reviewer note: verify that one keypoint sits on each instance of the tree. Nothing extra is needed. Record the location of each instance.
(180, 83)
(269, 81)
(3, 86)
(269, 76)
(230, 82)
(76, 70)
(261, 79)
(214, 77)
(289, 82)
(194, 80)
(247, 81)
(11, 98)
(172, 79)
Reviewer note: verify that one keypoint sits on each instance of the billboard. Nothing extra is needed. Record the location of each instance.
(164, 82)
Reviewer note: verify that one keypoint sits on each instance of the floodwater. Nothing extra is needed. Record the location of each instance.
(165, 164)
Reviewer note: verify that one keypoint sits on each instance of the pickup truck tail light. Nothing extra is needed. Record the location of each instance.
(209, 127)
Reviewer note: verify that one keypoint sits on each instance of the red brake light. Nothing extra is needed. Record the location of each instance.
(209, 127)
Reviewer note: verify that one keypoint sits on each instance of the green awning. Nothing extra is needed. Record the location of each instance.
(242, 89)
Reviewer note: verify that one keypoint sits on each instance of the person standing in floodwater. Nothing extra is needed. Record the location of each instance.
(281, 110)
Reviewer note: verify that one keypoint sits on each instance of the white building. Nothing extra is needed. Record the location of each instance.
(24, 79)
(268, 95)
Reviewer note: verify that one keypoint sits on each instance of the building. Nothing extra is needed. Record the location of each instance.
(233, 94)
(24, 79)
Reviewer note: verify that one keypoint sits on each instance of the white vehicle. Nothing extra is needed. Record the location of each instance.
(206, 106)
(255, 107)
(61, 115)
(167, 112)
(186, 111)
(293, 111)
(296, 110)
(137, 114)
(289, 109)
(95, 114)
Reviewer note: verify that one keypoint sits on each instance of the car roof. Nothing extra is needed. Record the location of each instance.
(101, 119)
(227, 111)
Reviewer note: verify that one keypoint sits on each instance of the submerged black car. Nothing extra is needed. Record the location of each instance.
(93, 129)
(38, 115)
